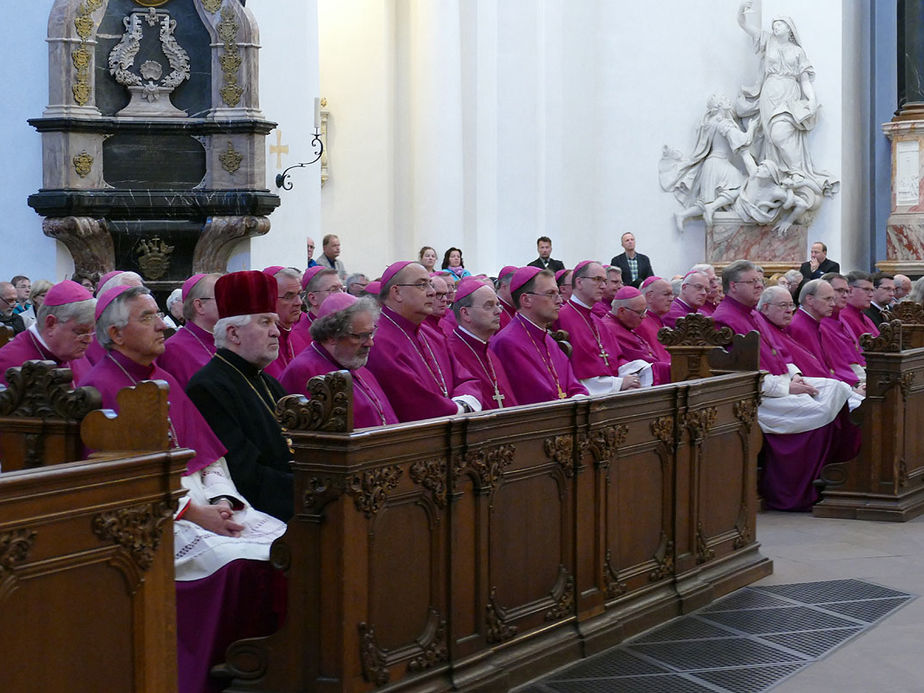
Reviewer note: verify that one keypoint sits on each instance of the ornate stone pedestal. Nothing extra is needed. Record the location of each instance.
(905, 226)
(730, 239)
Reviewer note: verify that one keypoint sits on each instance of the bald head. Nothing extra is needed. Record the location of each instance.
(902, 286)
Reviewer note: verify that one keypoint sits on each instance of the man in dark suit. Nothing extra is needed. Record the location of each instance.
(819, 264)
(883, 294)
(545, 261)
(635, 266)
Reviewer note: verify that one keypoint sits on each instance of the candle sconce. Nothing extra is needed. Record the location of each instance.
(317, 145)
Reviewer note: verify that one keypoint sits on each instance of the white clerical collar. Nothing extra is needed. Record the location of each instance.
(802, 308)
(580, 302)
(877, 305)
(473, 336)
(33, 328)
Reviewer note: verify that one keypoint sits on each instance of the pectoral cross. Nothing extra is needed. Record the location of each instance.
(603, 355)
(561, 393)
(279, 148)
(499, 398)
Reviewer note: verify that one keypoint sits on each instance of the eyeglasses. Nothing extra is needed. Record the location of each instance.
(598, 280)
(206, 298)
(423, 285)
(548, 294)
(785, 306)
(442, 294)
(289, 296)
(149, 318)
(753, 282)
(641, 313)
(699, 287)
(362, 336)
(7, 302)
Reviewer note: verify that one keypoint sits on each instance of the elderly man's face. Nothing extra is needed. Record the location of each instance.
(7, 299)
(482, 318)
(659, 296)
(413, 295)
(589, 287)
(628, 242)
(288, 301)
(257, 342)
(632, 314)
(839, 286)
(332, 248)
(142, 339)
(860, 294)
(328, 284)
(441, 299)
(748, 288)
(779, 309)
(694, 289)
(358, 286)
(352, 349)
(822, 303)
(310, 248)
(67, 340)
(613, 284)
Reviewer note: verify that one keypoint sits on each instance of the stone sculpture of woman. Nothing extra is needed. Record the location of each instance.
(784, 99)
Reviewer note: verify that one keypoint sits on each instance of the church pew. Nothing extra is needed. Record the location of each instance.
(40, 415)
(911, 316)
(699, 349)
(886, 479)
(479, 551)
(86, 562)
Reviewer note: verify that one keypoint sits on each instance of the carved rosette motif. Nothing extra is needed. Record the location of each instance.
(83, 164)
(375, 669)
(230, 159)
(699, 422)
(14, 549)
(320, 492)
(695, 329)
(664, 558)
(614, 586)
(498, 630)
(231, 60)
(604, 443)
(889, 340)
(488, 464)
(137, 529)
(560, 449)
(563, 596)
(41, 389)
(329, 409)
(431, 474)
(81, 56)
(746, 412)
(370, 489)
(432, 645)
(703, 552)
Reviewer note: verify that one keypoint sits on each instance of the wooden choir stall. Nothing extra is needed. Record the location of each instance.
(86, 561)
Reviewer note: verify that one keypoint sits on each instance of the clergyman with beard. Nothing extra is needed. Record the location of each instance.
(342, 336)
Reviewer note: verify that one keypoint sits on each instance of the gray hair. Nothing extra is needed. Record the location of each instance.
(198, 291)
(289, 273)
(315, 281)
(79, 311)
(220, 331)
(856, 276)
(175, 296)
(352, 279)
(733, 272)
(831, 276)
(116, 314)
(121, 279)
(703, 268)
(810, 289)
(613, 268)
(917, 292)
(794, 277)
(339, 323)
(768, 294)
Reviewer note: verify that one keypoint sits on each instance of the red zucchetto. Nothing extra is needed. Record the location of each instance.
(245, 293)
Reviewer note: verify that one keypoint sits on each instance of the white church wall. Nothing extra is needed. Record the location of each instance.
(24, 72)
(565, 109)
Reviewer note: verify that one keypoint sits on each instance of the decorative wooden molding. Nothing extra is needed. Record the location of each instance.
(614, 586)
(742, 528)
(489, 463)
(432, 475)
(563, 596)
(41, 389)
(662, 428)
(321, 491)
(746, 412)
(560, 449)
(699, 422)
(329, 409)
(373, 661)
(14, 549)
(142, 422)
(695, 329)
(703, 552)
(907, 312)
(604, 443)
(906, 383)
(498, 630)
(743, 354)
(137, 529)
(889, 340)
(370, 488)
(432, 645)
(664, 558)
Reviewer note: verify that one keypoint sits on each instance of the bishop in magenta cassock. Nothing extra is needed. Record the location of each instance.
(344, 330)
(525, 348)
(318, 282)
(478, 312)
(658, 295)
(193, 345)
(504, 277)
(626, 315)
(288, 310)
(61, 333)
(224, 581)
(692, 296)
(859, 295)
(412, 366)
(800, 417)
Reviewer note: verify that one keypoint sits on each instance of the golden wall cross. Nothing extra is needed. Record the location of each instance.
(279, 148)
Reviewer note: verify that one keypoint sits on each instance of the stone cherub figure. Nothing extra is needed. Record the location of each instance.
(767, 124)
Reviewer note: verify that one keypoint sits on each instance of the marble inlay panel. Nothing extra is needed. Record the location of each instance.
(729, 239)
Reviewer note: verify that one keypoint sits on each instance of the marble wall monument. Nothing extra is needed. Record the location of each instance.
(750, 175)
(153, 138)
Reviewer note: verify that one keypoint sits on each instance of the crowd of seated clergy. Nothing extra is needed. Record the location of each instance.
(422, 342)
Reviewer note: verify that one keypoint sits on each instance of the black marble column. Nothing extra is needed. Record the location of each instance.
(910, 66)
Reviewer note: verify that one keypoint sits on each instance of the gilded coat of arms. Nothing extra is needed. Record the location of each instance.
(153, 257)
